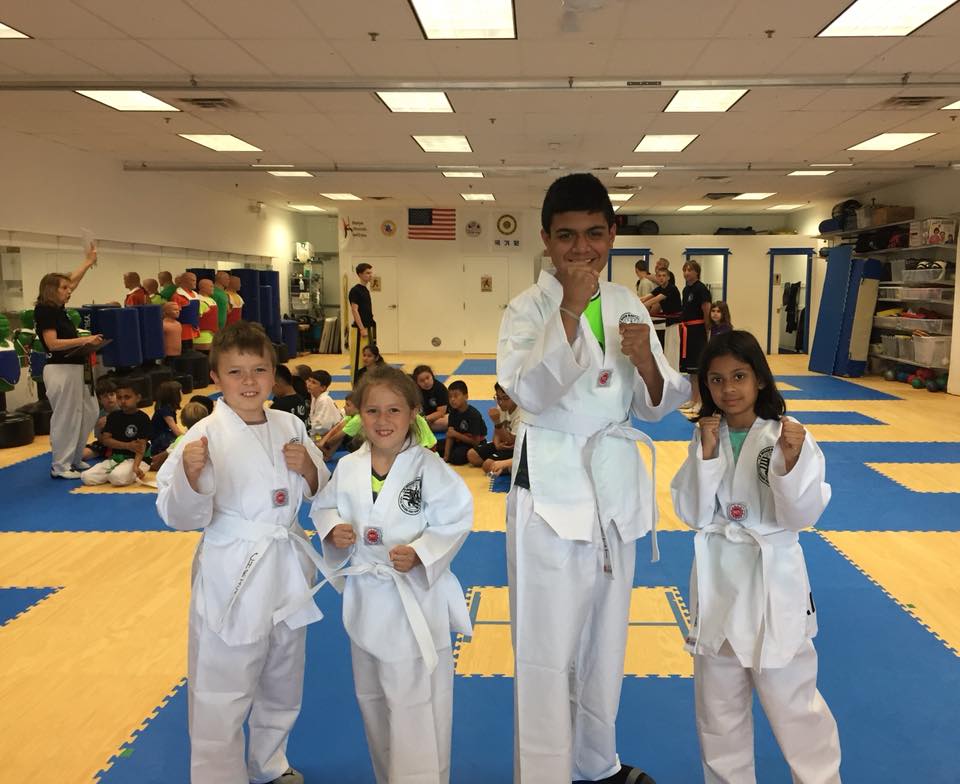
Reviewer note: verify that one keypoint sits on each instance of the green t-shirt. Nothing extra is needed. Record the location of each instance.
(737, 437)
(376, 483)
(425, 436)
(595, 318)
(156, 299)
(223, 305)
(168, 291)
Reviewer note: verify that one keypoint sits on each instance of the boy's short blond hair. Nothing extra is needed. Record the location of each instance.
(192, 413)
(244, 337)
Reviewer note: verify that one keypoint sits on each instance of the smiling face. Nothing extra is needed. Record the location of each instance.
(246, 381)
(734, 387)
(386, 418)
(579, 238)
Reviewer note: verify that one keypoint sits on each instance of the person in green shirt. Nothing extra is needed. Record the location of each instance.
(152, 288)
(167, 285)
(220, 283)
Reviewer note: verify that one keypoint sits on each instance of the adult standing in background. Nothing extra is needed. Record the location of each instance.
(167, 285)
(136, 294)
(694, 318)
(220, 282)
(236, 301)
(645, 284)
(361, 306)
(74, 405)
(152, 288)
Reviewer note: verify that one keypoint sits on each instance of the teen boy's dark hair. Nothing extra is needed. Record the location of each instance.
(576, 193)
(742, 345)
(458, 386)
(363, 267)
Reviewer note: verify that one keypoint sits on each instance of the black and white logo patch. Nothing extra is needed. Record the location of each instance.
(130, 431)
(410, 499)
(763, 464)
(630, 318)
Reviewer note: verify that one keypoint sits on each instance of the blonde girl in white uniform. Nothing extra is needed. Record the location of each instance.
(400, 515)
(752, 480)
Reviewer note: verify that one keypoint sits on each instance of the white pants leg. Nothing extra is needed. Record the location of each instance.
(567, 681)
(801, 721)
(122, 474)
(407, 716)
(74, 414)
(98, 474)
(224, 682)
(671, 346)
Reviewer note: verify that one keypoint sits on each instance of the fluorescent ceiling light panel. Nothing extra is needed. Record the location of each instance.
(477, 197)
(443, 143)
(475, 173)
(784, 207)
(9, 32)
(891, 141)
(221, 142)
(831, 165)
(704, 100)
(616, 208)
(952, 106)
(620, 196)
(287, 173)
(128, 100)
(753, 196)
(272, 165)
(637, 173)
(400, 101)
(306, 208)
(871, 18)
(341, 196)
(669, 142)
(808, 173)
(694, 208)
(444, 19)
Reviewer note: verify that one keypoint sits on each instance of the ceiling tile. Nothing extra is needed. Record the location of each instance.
(38, 58)
(120, 58)
(297, 58)
(209, 58)
(147, 19)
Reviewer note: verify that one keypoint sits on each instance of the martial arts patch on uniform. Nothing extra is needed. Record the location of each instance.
(763, 464)
(410, 499)
(603, 380)
(372, 535)
(630, 318)
(280, 497)
(736, 512)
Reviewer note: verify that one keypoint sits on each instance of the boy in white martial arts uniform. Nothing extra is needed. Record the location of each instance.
(405, 515)
(578, 355)
(240, 474)
(751, 481)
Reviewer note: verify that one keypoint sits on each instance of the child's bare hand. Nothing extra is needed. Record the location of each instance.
(635, 343)
(342, 536)
(404, 558)
(298, 459)
(792, 435)
(194, 458)
(710, 435)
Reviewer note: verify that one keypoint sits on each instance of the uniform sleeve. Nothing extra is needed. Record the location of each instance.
(448, 508)
(325, 515)
(676, 387)
(323, 473)
(178, 504)
(800, 496)
(694, 487)
(536, 364)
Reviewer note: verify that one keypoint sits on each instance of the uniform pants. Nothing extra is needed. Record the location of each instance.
(671, 346)
(75, 413)
(117, 474)
(801, 721)
(407, 715)
(261, 683)
(569, 625)
(358, 343)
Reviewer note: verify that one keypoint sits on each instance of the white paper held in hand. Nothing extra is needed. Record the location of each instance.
(87, 240)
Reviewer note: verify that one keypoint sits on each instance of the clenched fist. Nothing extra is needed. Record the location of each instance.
(342, 536)
(710, 435)
(194, 458)
(404, 558)
(792, 435)
(635, 343)
(580, 282)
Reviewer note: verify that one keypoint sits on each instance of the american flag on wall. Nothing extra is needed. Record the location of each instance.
(425, 223)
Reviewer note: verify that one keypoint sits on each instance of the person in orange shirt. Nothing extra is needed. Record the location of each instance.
(183, 296)
(236, 301)
(136, 294)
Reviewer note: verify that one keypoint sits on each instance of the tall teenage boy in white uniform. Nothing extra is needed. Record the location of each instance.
(578, 355)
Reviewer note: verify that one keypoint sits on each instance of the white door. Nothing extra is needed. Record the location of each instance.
(383, 293)
(711, 275)
(486, 293)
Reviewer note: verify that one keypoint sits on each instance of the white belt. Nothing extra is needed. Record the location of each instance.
(264, 535)
(596, 429)
(412, 608)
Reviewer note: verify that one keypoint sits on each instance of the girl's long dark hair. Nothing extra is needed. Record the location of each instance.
(741, 344)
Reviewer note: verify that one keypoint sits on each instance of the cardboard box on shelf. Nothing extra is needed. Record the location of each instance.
(881, 216)
(933, 231)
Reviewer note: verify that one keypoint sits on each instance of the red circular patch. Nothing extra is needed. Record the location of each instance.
(737, 512)
(604, 378)
(280, 498)
(373, 536)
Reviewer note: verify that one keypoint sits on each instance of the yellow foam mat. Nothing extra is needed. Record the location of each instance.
(916, 568)
(658, 624)
(94, 659)
(922, 477)
(670, 456)
(489, 509)
(82, 489)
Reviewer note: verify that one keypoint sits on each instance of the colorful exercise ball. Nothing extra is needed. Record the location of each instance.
(917, 383)
(890, 375)
(933, 386)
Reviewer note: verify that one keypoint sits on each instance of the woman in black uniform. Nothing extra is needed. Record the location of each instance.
(694, 317)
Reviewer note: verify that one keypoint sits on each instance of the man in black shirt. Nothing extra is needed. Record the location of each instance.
(364, 330)
(467, 428)
(285, 397)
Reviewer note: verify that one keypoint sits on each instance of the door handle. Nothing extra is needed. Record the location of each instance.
(391, 307)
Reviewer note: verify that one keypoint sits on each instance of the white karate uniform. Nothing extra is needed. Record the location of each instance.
(570, 537)
(118, 474)
(753, 611)
(324, 413)
(400, 623)
(252, 596)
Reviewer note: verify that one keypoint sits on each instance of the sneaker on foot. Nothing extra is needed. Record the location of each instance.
(291, 776)
(626, 775)
(83, 465)
(65, 474)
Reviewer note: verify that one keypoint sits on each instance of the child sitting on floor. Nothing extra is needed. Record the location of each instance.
(127, 434)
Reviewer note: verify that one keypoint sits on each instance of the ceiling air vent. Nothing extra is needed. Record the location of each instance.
(376, 198)
(719, 196)
(713, 178)
(910, 101)
(211, 103)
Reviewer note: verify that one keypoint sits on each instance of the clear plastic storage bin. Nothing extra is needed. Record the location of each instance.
(918, 277)
(887, 322)
(905, 347)
(932, 352)
(889, 345)
(912, 294)
(890, 293)
(941, 326)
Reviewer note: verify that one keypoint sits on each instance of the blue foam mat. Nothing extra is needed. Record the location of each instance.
(476, 367)
(14, 601)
